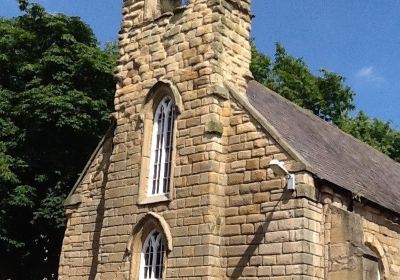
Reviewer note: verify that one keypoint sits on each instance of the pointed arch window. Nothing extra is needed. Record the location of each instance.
(152, 260)
(161, 148)
(160, 113)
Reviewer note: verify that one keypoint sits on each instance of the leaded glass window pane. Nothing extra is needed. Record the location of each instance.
(161, 148)
(152, 265)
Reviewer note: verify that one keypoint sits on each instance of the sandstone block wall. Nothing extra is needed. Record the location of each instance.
(81, 246)
(220, 177)
(270, 232)
(360, 239)
(382, 235)
(229, 216)
(182, 48)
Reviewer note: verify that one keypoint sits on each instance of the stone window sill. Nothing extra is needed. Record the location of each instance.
(154, 199)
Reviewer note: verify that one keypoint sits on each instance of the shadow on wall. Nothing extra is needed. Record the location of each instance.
(259, 235)
(103, 167)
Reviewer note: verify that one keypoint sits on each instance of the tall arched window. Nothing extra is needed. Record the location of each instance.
(161, 148)
(152, 260)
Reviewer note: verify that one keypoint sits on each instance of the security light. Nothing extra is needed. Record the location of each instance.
(278, 167)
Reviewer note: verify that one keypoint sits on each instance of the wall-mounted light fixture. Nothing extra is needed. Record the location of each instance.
(280, 170)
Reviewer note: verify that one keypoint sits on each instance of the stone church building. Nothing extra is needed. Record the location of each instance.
(206, 174)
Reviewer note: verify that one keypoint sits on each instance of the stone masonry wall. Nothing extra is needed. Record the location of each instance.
(229, 216)
(358, 235)
(187, 48)
(180, 47)
(81, 245)
(382, 234)
(270, 232)
(232, 44)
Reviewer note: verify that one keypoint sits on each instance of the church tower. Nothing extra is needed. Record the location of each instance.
(186, 51)
(151, 203)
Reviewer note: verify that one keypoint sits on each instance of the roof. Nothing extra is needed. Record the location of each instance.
(330, 154)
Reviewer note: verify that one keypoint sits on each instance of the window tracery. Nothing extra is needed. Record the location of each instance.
(161, 148)
(152, 261)
(159, 114)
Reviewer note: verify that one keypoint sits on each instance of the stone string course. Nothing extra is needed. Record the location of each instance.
(230, 216)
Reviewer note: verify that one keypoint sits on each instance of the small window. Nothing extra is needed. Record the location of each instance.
(170, 5)
(161, 148)
(152, 261)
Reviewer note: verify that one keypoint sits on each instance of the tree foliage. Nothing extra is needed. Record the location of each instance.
(56, 94)
(23, 4)
(375, 133)
(326, 95)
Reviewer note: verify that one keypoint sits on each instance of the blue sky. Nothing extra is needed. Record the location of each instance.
(359, 39)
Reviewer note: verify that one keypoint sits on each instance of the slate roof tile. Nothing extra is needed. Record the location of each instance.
(332, 154)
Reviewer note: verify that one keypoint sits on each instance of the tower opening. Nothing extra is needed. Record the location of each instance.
(170, 5)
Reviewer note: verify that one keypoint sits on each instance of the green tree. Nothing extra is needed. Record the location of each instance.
(375, 133)
(23, 4)
(325, 95)
(56, 95)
